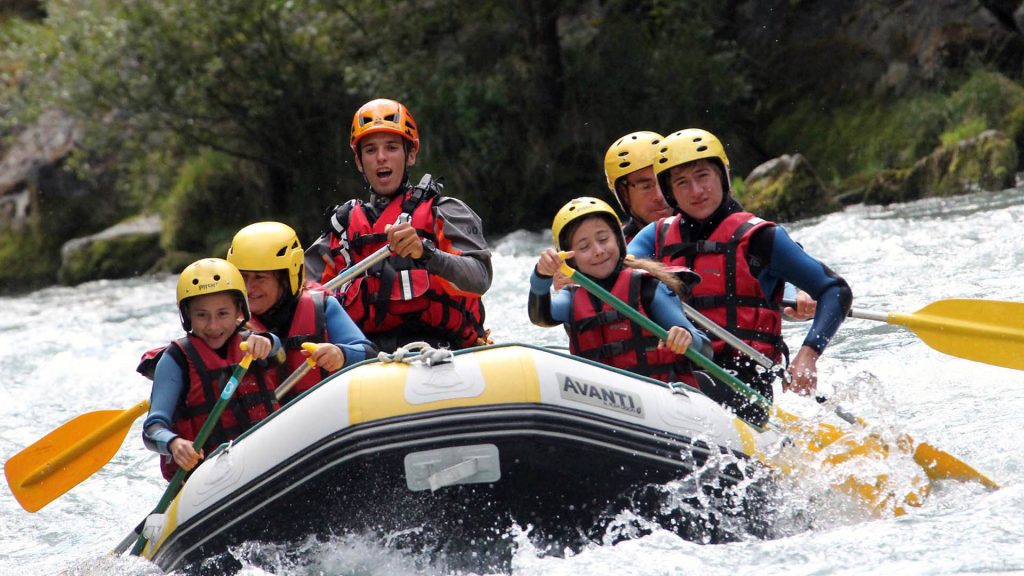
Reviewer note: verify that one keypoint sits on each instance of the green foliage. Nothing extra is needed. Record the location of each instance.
(877, 134)
(864, 136)
(221, 113)
(517, 102)
(261, 81)
(988, 163)
(969, 128)
(30, 260)
(987, 100)
(1014, 126)
(209, 203)
(987, 95)
(25, 50)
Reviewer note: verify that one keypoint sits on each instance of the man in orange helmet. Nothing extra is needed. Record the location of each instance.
(429, 288)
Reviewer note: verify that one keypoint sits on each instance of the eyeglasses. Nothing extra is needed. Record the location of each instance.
(644, 185)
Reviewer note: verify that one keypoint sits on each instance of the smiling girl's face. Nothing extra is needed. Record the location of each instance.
(596, 247)
(214, 317)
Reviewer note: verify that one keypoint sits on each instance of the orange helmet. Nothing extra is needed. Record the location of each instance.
(384, 115)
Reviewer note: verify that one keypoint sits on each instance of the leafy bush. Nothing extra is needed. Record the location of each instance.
(209, 203)
(878, 134)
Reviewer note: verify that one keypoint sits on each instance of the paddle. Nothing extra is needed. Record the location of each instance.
(878, 494)
(364, 264)
(299, 372)
(652, 327)
(937, 463)
(204, 432)
(62, 459)
(989, 331)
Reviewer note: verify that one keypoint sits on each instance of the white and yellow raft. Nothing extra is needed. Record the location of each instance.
(466, 443)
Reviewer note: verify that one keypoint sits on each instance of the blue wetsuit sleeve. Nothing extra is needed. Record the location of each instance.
(561, 305)
(343, 333)
(540, 284)
(642, 245)
(790, 263)
(558, 308)
(163, 401)
(666, 312)
(276, 347)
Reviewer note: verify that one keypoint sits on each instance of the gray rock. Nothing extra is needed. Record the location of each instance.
(875, 46)
(985, 162)
(124, 250)
(786, 188)
(28, 162)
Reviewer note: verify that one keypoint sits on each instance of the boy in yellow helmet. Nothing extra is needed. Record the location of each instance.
(744, 263)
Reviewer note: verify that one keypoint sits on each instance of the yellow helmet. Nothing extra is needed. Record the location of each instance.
(383, 115)
(686, 146)
(578, 208)
(628, 154)
(269, 246)
(209, 276)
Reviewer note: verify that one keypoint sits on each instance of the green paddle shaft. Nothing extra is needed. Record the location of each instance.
(212, 420)
(652, 327)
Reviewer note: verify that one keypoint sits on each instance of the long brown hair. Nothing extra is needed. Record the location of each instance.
(658, 270)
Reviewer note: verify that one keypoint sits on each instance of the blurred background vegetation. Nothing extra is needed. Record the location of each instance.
(217, 114)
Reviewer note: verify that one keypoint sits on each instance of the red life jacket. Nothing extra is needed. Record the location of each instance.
(399, 293)
(207, 374)
(308, 325)
(599, 332)
(728, 293)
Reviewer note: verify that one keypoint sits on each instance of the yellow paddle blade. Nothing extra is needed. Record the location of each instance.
(852, 463)
(939, 465)
(63, 458)
(816, 435)
(989, 331)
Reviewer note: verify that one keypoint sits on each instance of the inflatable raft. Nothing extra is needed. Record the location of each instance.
(457, 447)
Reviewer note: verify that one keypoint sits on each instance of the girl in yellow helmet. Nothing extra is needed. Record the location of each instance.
(188, 374)
(589, 232)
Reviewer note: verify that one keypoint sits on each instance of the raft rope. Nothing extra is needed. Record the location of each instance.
(417, 352)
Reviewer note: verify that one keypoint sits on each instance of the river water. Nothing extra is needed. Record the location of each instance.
(68, 351)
